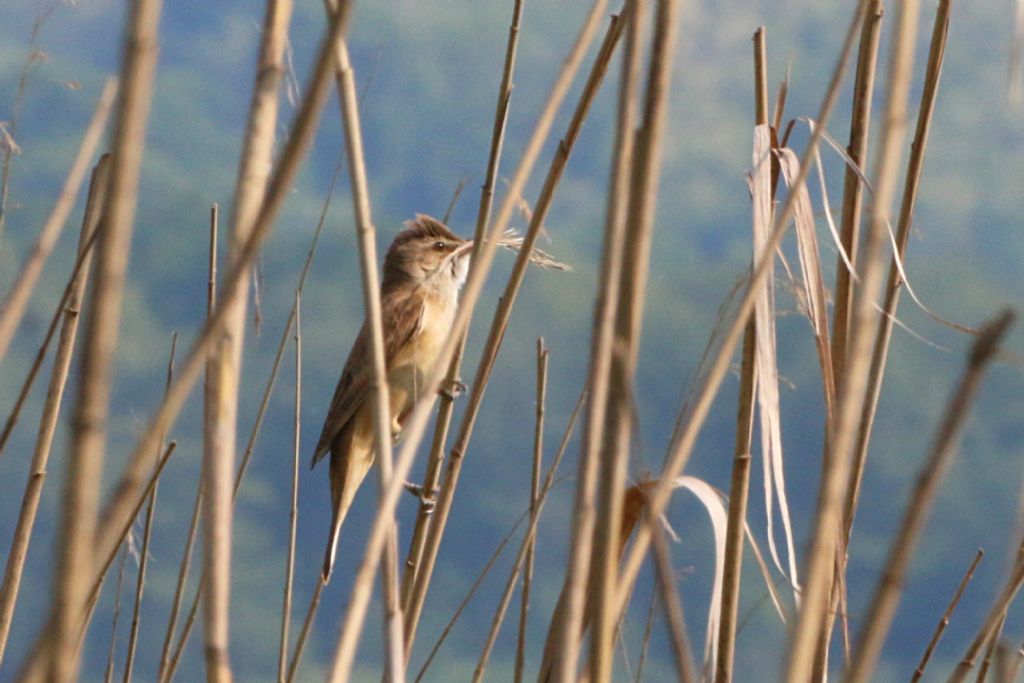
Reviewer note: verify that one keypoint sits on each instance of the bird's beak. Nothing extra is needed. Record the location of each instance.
(463, 248)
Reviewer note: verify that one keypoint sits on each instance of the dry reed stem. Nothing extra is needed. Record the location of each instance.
(108, 675)
(1002, 603)
(930, 476)
(503, 310)
(993, 641)
(564, 630)
(607, 439)
(37, 363)
(77, 550)
(853, 188)
(225, 368)
(13, 307)
(826, 537)
(673, 606)
(129, 490)
(915, 167)
(307, 625)
(529, 538)
(179, 589)
(528, 542)
(944, 621)
(417, 420)
(382, 439)
(435, 461)
(739, 487)
(68, 313)
(147, 534)
(293, 513)
(253, 434)
(701, 403)
(538, 455)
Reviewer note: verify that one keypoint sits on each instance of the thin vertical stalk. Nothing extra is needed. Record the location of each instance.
(915, 167)
(253, 434)
(108, 675)
(293, 514)
(132, 486)
(719, 367)
(147, 534)
(930, 476)
(827, 534)
(503, 311)
(645, 172)
(417, 421)
(853, 189)
(944, 621)
(69, 314)
(995, 614)
(307, 625)
(77, 550)
(446, 409)
(685, 669)
(366, 237)
(739, 488)
(13, 307)
(221, 433)
(538, 455)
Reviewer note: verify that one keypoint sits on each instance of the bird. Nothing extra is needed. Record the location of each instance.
(424, 269)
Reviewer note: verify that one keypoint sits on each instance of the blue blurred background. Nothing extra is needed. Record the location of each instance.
(429, 75)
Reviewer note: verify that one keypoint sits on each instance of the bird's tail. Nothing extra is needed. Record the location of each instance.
(350, 461)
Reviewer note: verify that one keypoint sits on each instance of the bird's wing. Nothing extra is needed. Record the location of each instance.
(401, 317)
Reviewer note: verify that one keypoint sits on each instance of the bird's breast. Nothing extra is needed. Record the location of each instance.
(409, 370)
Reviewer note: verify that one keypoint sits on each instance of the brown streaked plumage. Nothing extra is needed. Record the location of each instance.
(424, 268)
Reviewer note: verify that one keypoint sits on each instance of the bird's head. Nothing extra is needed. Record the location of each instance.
(427, 251)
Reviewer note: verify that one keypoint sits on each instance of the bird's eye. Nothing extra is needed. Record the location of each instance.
(439, 246)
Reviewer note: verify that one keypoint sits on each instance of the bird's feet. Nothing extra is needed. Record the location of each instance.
(428, 499)
(451, 389)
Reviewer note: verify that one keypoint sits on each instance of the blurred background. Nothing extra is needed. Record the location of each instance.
(428, 74)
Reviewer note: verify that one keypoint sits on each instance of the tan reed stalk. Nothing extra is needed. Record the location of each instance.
(108, 675)
(719, 367)
(69, 315)
(186, 558)
(673, 606)
(944, 621)
(307, 625)
(435, 461)
(995, 615)
(81, 497)
(51, 329)
(825, 539)
(893, 285)
(366, 237)
(503, 310)
(930, 476)
(469, 596)
(171, 666)
(417, 420)
(147, 534)
(14, 304)
(562, 638)
(646, 642)
(606, 441)
(524, 548)
(853, 189)
(286, 610)
(529, 538)
(225, 370)
(130, 489)
(993, 641)
(739, 488)
(538, 455)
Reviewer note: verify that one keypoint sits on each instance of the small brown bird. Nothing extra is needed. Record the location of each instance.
(424, 268)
